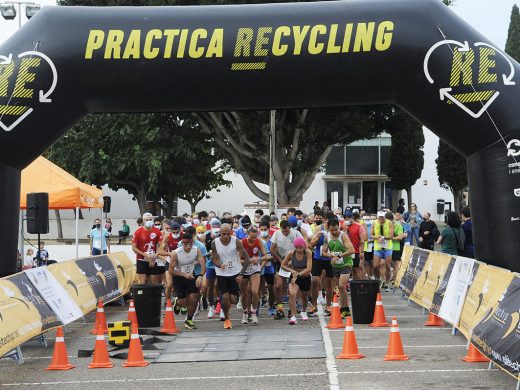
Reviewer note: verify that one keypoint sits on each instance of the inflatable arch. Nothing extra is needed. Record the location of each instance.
(69, 61)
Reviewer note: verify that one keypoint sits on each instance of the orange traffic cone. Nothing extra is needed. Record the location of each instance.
(169, 326)
(100, 320)
(100, 359)
(132, 315)
(434, 320)
(395, 346)
(379, 314)
(135, 352)
(474, 355)
(350, 349)
(336, 322)
(60, 359)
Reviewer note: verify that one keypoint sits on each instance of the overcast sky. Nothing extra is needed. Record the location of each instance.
(490, 17)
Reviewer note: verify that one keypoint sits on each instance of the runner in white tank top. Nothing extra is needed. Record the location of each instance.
(225, 257)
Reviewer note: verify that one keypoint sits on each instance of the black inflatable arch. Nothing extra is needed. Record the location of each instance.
(69, 61)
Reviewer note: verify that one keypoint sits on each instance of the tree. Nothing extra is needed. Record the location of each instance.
(406, 160)
(452, 172)
(513, 34)
(148, 155)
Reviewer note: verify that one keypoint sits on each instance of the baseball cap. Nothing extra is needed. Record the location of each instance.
(348, 214)
(299, 242)
(293, 221)
(175, 226)
(215, 223)
(245, 221)
(381, 214)
(201, 229)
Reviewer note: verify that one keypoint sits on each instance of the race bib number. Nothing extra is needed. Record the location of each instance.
(284, 274)
(159, 262)
(187, 269)
(384, 244)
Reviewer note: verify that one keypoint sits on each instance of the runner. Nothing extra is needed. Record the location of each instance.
(144, 245)
(299, 263)
(211, 277)
(400, 237)
(282, 243)
(382, 233)
(181, 270)
(226, 259)
(338, 247)
(171, 236)
(267, 272)
(356, 234)
(369, 248)
(250, 284)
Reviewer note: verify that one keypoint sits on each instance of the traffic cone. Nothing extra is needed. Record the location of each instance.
(60, 359)
(335, 322)
(132, 315)
(379, 314)
(395, 346)
(434, 320)
(350, 349)
(100, 320)
(169, 326)
(218, 307)
(135, 352)
(474, 355)
(101, 358)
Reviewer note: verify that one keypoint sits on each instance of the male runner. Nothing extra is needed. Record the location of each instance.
(356, 234)
(144, 244)
(171, 236)
(382, 232)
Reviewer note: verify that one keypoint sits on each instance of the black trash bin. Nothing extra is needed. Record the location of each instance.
(363, 294)
(147, 300)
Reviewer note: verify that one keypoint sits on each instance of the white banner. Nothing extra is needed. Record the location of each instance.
(451, 307)
(54, 294)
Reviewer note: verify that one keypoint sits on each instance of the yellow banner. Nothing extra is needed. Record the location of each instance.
(488, 285)
(405, 260)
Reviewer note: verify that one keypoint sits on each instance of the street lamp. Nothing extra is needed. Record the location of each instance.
(9, 11)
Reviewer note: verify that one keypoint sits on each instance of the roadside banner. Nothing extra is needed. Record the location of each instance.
(451, 307)
(101, 276)
(440, 289)
(413, 271)
(498, 335)
(405, 260)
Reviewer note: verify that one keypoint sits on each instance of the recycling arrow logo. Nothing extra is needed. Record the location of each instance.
(476, 75)
(20, 78)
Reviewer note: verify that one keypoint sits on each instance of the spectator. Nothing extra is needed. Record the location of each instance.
(325, 209)
(258, 216)
(42, 256)
(469, 250)
(108, 225)
(139, 221)
(400, 207)
(452, 236)
(28, 260)
(413, 219)
(316, 207)
(428, 232)
(99, 240)
(125, 232)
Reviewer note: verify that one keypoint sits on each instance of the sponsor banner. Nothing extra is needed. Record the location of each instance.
(430, 279)
(414, 270)
(23, 312)
(440, 291)
(76, 283)
(461, 275)
(405, 260)
(485, 290)
(498, 334)
(126, 271)
(101, 276)
(54, 294)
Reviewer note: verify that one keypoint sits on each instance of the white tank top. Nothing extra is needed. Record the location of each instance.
(229, 257)
(186, 260)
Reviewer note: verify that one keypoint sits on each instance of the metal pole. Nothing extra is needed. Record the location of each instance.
(77, 232)
(272, 146)
(20, 236)
(19, 15)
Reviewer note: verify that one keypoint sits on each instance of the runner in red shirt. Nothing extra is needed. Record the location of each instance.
(145, 245)
(169, 242)
(356, 233)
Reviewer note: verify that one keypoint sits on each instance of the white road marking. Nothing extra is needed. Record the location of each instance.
(332, 367)
(299, 345)
(415, 346)
(386, 329)
(414, 371)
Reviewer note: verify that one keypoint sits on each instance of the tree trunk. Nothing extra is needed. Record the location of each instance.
(58, 223)
(141, 201)
(409, 196)
(457, 200)
(396, 195)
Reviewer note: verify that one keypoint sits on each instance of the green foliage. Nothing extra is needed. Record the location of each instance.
(513, 34)
(451, 168)
(406, 156)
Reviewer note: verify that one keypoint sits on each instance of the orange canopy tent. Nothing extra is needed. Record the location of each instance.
(65, 191)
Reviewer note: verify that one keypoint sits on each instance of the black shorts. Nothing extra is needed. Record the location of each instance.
(396, 255)
(356, 260)
(341, 271)
(269, 279)
(247, 276)
(319, 265)
(184, 287)
(369, 257)
(304, 283)
(143, 268)
(228, 284)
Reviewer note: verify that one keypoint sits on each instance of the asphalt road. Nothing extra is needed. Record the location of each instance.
(435, 361)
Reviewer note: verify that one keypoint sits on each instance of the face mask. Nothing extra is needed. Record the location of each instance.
(294, 227)
(349, 223)
(300, 222)
(215, 231)
(264, 234)
(148, 224)
(199, 235)
(98, 225)
(176, 235)
(319, 222)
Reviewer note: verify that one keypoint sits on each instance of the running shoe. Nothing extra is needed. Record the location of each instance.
(299, 308)
(184, 310)
(304, 315)
(218, 308)
(345, 313)
(327, 311)
(244, 318)
(211, 312)
(279, 315)
(249, 316)
(176, 307)
(293, 321)
(321, 300)
(222, 316)
(271, 311)
(239, 304)
(254, 319)
(285, 299)
(312, 311)
(189, 324)
(227, 324)
(263, 302)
